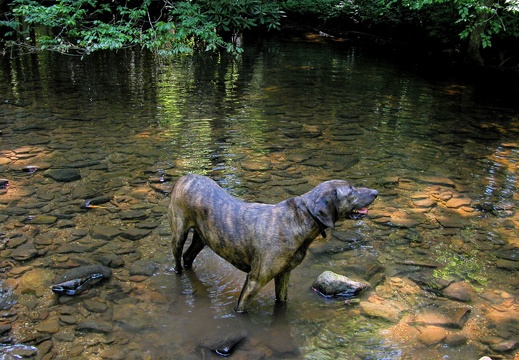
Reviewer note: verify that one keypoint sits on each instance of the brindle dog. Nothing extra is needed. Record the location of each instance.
(265, 241)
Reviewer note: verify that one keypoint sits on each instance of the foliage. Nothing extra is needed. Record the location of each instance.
(322, 9)
(169, 27)
(476, 22)
(473, 14)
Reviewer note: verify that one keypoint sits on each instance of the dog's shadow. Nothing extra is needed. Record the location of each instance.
(219, 331)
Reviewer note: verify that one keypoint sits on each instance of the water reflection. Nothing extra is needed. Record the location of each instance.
(286, 116)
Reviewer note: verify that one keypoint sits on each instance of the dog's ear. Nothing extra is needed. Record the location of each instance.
(325, 209)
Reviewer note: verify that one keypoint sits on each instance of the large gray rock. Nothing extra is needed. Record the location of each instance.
(331, 284)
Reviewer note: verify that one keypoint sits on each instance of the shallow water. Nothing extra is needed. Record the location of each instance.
(287, 115)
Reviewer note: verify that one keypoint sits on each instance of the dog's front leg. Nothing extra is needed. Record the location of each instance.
(250, 289)
(281, 281)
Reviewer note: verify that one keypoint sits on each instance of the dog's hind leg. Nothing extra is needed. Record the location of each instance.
(197, 244)
(250, 289)
(178, 239)
(281, 282)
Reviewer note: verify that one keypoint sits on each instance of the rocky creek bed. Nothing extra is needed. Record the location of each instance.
(93, 212)
(85, 182)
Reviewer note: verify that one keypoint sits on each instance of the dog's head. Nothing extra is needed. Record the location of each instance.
(336, 199)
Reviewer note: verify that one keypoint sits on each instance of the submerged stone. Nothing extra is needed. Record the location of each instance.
(459, 291)
(95, 325)
(75, 281)
(41, 219)
(382, 311)
(432, 335)
(104, 232)
(224, 342)
(143, 267)
(24, 252)
(63, 175)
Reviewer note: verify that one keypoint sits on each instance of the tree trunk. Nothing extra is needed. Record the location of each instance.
(474, 42)
(474, 47)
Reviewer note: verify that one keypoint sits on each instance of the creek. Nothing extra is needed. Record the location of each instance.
(439, 246)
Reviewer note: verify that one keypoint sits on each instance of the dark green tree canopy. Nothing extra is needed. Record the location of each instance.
(175, 27)
(169, 27)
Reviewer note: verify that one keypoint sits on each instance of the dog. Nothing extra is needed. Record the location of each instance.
(265, 241)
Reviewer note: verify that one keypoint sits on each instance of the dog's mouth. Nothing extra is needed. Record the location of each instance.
(358, 213)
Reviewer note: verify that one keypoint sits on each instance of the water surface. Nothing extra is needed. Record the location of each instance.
(439, 246)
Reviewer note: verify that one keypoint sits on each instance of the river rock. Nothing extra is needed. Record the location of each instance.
(134, 233)
(63, 175)
(5, 327)
(84, 271)
(98, 200)
(113, 354)
(143, 267)
(507, 264)
(432, 335)
(455, 339)
(224, 342)
(35, 280)
(16, 240)
(459, 291)
(448, 317)
(104, 232)
(41, 219)
(95, 325)
(24, 252)
(77, 280)
(331, 284)
(133, 215)
(382, 311)
(95, 306)
(508, 254)
(256, 165)
(111, 260)
(18, 351)
(132, 318)
(48, 326)
(505, 346)
(457, 202)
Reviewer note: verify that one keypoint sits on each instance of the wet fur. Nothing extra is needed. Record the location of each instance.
(266, 241)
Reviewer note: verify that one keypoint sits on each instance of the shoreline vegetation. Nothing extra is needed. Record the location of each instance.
(469, 32)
